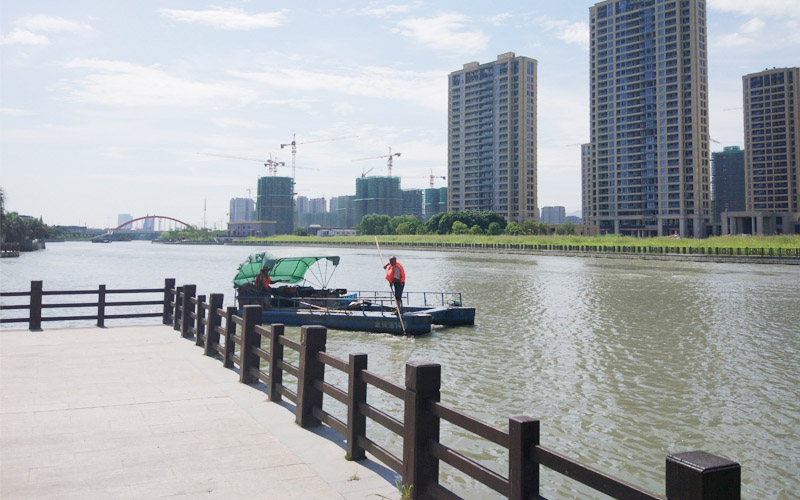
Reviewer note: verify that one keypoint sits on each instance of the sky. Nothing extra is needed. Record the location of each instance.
(111, 108)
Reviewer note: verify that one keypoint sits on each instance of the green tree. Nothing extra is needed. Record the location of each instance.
(460, 228)
(300, 231)
(476, 230)
(514, 229)
(374, 224)
(566, 228)
(495, 228)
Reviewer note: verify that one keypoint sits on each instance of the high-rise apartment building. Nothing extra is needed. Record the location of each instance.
(554, 215)
(772, 140)
(492, 138)
(727, 181)
(648, 173)
(241, 210)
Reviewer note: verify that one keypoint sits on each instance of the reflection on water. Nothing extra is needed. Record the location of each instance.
(624, 361)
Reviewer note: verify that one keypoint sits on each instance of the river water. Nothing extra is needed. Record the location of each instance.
(624, 361)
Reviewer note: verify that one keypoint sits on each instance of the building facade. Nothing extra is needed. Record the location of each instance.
(412, 202)
(727, 181)
(648, 172)
(274, 205)
(241, 210)
(554, 215)
(492, 162)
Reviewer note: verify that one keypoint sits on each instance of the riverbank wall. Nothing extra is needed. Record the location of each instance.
(786, 256)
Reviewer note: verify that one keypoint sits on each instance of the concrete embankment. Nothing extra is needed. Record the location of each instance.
(136, 412)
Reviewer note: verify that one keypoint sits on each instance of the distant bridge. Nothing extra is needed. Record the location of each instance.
(130, 222)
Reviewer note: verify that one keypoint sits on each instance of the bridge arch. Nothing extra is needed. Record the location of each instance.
(149, 217)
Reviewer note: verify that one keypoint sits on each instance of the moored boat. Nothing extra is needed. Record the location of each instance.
(294, 303)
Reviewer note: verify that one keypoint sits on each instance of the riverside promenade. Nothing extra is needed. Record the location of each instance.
(135, 412)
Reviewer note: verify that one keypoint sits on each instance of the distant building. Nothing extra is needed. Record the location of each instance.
(342, 211)
(274, 205)
(377, 195)
(649, 169)
(553, 215)
(771, 155)
(412, 202)
(435, 202)
(301, 205)
(317, 205)
(574, 219)
(241, 210)
(727, 181)
(492, 138)
(122, 219)
(149, 224)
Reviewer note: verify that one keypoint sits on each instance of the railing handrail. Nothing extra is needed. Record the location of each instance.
(420, 462)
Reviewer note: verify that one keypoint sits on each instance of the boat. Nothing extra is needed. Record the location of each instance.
(300, 295)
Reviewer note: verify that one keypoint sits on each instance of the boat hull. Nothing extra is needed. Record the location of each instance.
(417, 323)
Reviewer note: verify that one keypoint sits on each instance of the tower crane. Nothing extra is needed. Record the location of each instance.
(272, 165)
(388, 161)
(430, 177)
(294, 144)
(365, 172)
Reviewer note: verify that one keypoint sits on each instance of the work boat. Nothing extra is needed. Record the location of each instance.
(299, 295)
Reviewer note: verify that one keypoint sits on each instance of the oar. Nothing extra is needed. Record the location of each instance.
(396, 304)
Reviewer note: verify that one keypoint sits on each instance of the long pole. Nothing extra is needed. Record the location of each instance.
(396, 304)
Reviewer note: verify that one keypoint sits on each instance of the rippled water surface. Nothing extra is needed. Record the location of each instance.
(624, 361)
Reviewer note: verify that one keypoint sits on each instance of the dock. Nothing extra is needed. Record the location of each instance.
(136, 412)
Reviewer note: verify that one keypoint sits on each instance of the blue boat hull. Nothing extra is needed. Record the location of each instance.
(366, 321)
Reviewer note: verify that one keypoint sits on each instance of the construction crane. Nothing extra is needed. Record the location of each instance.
(294, 144)
(431, 177)
(388, 161)
(365, 172)
(272, 165)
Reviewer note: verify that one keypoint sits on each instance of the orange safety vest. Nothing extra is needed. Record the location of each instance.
(264, 281)
(390, 273)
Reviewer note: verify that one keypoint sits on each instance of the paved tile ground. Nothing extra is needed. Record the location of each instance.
(138, 412)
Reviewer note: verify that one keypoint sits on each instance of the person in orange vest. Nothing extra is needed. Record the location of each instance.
(396, 276)
(263, 280)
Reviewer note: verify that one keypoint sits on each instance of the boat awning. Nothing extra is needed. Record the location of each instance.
(293, 269)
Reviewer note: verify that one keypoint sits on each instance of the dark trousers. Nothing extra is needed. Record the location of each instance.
(398, 291)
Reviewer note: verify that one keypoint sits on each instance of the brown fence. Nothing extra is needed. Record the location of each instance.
(240, 340)
(36, 304)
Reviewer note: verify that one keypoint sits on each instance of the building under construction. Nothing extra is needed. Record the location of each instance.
(274, 205)
(378, 195)
(435, 201)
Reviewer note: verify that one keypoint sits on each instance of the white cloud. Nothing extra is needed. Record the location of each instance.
(567, 31)
(227, 18)
(234, 123)
(499, 19)
(23, 37)
(50, 24)
(391, 9)
(753, 26)
(770, 8)
(343, 108)
(116, 83)
(428, 89)
(449, 32)
(732, 40)
(15, 112)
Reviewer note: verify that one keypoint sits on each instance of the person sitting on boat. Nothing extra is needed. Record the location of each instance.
(396, 276)
(263, 280)
(259, 286)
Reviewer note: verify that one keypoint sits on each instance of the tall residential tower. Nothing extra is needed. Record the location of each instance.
(648, 173)
(492, 138)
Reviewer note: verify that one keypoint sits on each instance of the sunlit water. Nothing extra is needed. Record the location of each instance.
(624, 361)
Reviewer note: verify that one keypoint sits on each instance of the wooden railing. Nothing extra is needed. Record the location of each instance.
(36, 304)
(258, 352)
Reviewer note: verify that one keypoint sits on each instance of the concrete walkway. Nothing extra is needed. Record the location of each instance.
(138, 412)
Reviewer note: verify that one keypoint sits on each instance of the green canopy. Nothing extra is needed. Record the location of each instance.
(283, 270)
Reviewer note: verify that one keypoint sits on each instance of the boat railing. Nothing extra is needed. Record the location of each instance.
(386, 297)
(358, 300)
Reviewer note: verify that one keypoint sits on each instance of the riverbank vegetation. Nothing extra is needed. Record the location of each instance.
(191, 234)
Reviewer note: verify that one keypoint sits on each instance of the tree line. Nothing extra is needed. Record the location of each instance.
(474, 222)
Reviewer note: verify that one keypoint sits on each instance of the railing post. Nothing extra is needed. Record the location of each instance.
(214, 321)
(697, 475)
(35, 309)
(251, 316)
(275, 360)
(187, 323)
(169, 285)
(420, 426)
(200, 314)
(230, 331)
(523, 471)
(311, 370)
(101, 306)
(356, 421)
(176, 324)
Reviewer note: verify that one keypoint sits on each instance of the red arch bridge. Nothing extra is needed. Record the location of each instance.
(131, 222)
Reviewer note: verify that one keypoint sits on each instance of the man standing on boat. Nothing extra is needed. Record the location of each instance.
(396, 276)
